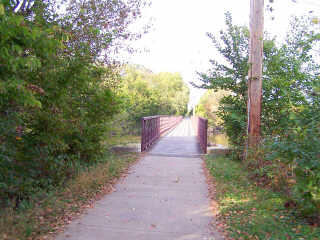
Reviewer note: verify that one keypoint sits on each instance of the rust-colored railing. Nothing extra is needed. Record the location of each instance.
(155, 126)
(200, 126)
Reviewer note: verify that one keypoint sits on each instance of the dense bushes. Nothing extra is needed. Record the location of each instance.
(290, 109)
(56, 90)
(62, 92)
(299, 150)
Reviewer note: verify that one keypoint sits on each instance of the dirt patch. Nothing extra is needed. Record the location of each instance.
(121, 149)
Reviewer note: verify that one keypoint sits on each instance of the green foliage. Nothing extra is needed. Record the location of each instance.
(57, 93)
(250, 211)
(299, 148)
(290, 106)
(102, 26)
(146, 94)
(231, 76)
(208, 106)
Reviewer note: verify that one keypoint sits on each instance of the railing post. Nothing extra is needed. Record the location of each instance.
(142, 135)
(158, 126)
(205, 136)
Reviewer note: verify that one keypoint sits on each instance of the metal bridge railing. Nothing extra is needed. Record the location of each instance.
(200, 126)
(155, 126)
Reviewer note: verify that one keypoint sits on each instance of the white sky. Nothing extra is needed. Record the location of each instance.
(177, 41)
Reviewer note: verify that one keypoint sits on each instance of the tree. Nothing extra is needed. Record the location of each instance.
(290, 66)
(290, 107)
(231, 76)
(56, 93)
(102, 25)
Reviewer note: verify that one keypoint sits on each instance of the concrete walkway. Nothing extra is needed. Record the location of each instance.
(164, 197)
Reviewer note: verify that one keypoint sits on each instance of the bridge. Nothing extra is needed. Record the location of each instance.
(164, 196)
(152, 128)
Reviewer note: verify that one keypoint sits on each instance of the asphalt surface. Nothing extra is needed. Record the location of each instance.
(164, 197)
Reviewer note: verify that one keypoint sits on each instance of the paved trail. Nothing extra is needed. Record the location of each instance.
(163, 198)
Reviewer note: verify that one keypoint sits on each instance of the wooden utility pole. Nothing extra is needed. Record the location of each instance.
(255, 72)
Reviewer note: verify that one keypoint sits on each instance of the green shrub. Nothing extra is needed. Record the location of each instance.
(289, 153)
(57, 91)
(300, 149)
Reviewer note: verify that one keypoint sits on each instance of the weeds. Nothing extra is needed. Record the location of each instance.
(249, 211)
(122, 140)
(47, 212)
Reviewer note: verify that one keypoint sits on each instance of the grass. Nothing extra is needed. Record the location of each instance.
(48, 212)
(248, 211)
(122, 140)
(220, 139)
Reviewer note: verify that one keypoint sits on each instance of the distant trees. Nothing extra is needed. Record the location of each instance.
(208, 106)
(144, 93)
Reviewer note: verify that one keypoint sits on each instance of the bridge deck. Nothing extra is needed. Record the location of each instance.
(181, 141)
(164, 197)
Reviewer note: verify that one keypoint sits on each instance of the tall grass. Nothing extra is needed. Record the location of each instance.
(47, 212)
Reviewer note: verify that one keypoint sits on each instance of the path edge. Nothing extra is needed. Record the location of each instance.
(108, 188)
(216, 224)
